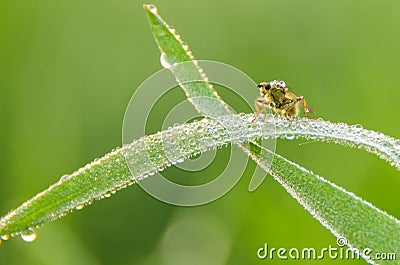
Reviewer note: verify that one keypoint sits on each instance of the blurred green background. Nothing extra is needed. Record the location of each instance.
(69, 68)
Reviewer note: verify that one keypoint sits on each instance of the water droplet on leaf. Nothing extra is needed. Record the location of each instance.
(396, 144)
(290, 136)
(5, 237)
(29, 236)
(167, 60)
(64, 178)
(152, 8)
(164, 61)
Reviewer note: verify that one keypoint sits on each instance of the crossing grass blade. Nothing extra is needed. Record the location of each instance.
(343, 213)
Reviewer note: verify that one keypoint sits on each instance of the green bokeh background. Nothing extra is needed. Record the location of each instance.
(69, 68)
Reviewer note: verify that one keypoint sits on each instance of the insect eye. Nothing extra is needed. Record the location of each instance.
(268, 86)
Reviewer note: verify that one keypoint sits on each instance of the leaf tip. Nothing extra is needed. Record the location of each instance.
(150, 8)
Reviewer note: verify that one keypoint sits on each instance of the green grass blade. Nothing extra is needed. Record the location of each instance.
(341, 212)
(105, 176)
(177, 57)
(366, 229)
(377, 143)
(174, 52)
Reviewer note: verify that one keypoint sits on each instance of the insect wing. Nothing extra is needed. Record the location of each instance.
(309, 109)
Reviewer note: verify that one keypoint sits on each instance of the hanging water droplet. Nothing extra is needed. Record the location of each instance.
(5, 237)
(29, 236)
(80, 207)
(290, 136)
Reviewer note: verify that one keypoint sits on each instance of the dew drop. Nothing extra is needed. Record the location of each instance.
(64, 178)
(250, 118)
(290, 136)
(80, 207)
(5, 237)
(396, 144)
(164, 61)
(151, 8)
(29, 236)
(304, 124)
(270, 118)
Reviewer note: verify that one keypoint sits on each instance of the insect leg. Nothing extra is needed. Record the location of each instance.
(306, 109)
(257, 102)
(257, 110)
